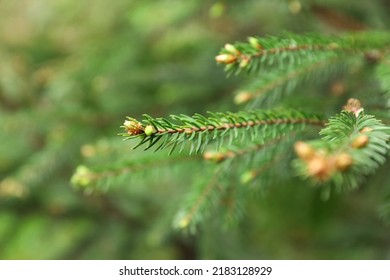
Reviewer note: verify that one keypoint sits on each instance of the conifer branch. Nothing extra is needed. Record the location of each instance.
(252, 174)
(213, 190)
(281, 82)
(40, 167)
(353, 145)
(199, 130)
(199, 203)
(237, 151)
(291, 49)
(233, 203)
(88, 178)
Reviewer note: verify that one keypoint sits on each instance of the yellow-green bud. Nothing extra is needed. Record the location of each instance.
(149, 130)
(214, 156)
(82, 177)
(248, 176)
(242, 97)
(254, 43)
(244, 62)
(225, 58)
(232, 49)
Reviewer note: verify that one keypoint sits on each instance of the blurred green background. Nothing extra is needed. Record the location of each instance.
(71, 70)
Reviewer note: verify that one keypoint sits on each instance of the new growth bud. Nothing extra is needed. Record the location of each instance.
(248, 176)
(360, 142)
(320, 168)
(254, 43)
(304, 150)
(343, 161)
(225, 58)
(320, 164)
(214, 156)
(244, 62)
(133, 127)
(83, 177)
(149, 130)
(354, 106)
(242, 97)
(232, 49)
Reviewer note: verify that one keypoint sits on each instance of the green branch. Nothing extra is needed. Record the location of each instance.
(281, 82)
(199, 203)
(238, 151)
(291, 49)
(353, 145)
(87, 178)
(199, 130)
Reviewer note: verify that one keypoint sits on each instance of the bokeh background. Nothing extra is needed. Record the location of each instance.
(71, 70)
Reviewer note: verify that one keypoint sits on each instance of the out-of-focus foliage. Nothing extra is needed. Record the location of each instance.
(72, 70)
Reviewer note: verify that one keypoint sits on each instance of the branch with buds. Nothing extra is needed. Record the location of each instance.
(353, 143)
(200, 130)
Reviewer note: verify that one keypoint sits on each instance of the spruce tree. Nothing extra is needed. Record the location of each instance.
(282, 158)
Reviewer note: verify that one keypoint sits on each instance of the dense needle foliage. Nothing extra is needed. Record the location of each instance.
(283, 158)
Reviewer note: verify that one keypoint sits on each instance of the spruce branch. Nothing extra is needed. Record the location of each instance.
(214, 191)
(276, 83)
(237, 151)
(88, 179)
(290, 49)
(233, 203)
(252, 174)
(199, 130)
(200, 201)
(353, 145)
(39, 168)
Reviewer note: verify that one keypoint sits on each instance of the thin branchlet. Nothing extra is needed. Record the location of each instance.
(273, 80)
(290, 49)
(244, 124)
(199, 130)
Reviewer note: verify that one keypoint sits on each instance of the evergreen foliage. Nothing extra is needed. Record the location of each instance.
(287, 158)
(200, 130)
(353, 144)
